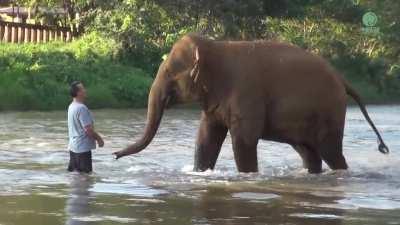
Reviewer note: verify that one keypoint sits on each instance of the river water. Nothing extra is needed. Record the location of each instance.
(157, 186)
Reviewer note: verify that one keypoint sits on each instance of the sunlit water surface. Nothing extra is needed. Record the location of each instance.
(158, 186)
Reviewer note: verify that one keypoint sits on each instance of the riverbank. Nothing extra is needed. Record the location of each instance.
(36, 77)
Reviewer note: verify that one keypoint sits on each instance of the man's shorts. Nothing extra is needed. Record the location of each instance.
(81, 162)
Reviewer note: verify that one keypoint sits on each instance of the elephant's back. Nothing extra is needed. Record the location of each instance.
(302, 74)
(298, 91)
(281, 69)
(272, 60)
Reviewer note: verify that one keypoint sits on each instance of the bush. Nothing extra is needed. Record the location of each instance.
(37, 76)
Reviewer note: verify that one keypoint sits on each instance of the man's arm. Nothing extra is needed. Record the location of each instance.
(87, 122)
(93, 134)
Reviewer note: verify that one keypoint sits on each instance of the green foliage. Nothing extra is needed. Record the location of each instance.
(37, 76)
(118, 69)
(138, 26)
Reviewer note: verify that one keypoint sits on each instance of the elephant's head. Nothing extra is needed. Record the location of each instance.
(175, 83)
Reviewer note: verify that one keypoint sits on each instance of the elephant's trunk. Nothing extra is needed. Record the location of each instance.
(156, 104)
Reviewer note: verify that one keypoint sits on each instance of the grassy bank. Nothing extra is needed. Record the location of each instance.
(36, 77)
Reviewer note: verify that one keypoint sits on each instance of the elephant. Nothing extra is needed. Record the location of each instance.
(256, 90)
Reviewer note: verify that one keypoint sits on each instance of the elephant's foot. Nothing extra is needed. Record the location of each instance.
(248, 169)
(198, 168)
(315, 170)
(201, 168)
(332, 153)
(202, 161)
(311, 159)
(336, 162)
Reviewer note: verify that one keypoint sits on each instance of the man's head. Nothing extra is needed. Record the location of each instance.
(77, 91)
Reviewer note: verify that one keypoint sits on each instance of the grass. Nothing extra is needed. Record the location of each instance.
(36, 77)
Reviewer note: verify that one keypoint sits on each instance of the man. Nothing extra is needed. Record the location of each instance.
(82, 136)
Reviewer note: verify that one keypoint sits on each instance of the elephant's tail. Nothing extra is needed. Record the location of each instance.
(350, 91)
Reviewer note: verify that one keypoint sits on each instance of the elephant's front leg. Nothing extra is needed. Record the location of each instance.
(210, 137)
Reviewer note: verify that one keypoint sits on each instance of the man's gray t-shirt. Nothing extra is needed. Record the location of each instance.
(79, 117)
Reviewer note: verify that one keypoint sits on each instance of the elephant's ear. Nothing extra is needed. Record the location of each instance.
(194, 73)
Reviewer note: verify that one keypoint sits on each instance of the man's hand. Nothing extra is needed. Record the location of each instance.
(93, 134)
(100, 142)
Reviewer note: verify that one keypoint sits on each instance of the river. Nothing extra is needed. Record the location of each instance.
(157, 186)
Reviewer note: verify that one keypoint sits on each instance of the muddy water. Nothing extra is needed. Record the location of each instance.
(157, 186)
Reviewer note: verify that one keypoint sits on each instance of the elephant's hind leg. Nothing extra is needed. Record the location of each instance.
(332, 153)
(311, 158)
(210, 137)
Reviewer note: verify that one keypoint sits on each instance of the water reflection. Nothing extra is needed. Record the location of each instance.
(217, 207)
(77, 205)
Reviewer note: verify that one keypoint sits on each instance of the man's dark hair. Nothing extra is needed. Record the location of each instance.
(73, 89)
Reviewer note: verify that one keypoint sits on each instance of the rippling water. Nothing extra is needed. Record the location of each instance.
(158, 186)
